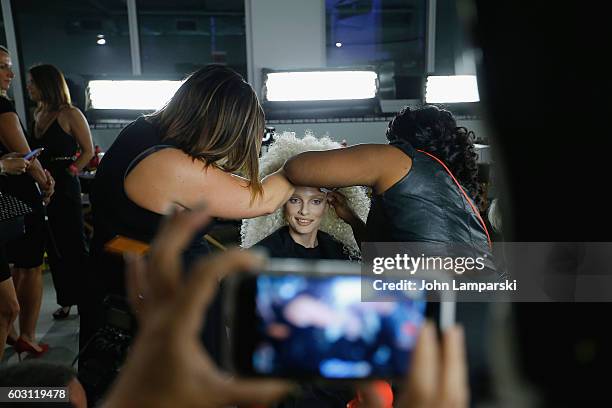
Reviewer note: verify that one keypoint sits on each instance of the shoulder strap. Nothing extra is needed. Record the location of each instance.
(482, 223)
(142, 155)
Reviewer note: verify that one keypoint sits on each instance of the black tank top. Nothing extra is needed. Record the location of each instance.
(22, 187)
(424, 206)
(113, 212)
(60, 147)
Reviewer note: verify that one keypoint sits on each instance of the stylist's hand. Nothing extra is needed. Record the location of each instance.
(168, 366)
(438, 374)
(340, 205)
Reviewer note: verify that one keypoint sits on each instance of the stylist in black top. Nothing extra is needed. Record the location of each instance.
(62, 130)
(180, 157)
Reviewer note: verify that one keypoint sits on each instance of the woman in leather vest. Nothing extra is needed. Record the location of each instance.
(424, 181)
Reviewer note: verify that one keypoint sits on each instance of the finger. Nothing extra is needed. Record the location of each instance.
(175, 233)
(256, 391)
(204, 281)
(421, 385)
(454, 380)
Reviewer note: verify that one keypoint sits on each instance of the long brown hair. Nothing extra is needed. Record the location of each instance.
(215, 117)
(51, 84)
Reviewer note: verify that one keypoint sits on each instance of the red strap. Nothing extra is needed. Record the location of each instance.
(464, 194)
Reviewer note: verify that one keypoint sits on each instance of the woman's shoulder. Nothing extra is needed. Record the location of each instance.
(275, 237)
(331, 245)
(69, 115)
(69, 111)
(325, 237)
(274, 243)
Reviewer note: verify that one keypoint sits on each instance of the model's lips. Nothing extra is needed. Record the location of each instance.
(303, 222)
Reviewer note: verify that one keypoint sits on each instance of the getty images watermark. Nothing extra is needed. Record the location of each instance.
(509, 271)
(404, 264)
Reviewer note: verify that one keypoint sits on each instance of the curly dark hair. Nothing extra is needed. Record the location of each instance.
(435, 131)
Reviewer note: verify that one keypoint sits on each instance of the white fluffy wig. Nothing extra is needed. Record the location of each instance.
(285, 146)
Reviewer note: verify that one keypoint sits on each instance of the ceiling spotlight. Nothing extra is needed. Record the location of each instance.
(101, 41)
(338, 44)
(100, 36)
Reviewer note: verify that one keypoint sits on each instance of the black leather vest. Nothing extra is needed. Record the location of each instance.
(424, 206)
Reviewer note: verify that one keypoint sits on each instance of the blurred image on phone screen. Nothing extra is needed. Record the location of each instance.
(318, 327)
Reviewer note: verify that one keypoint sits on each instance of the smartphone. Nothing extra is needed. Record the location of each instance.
(34, 153)
(305, 320)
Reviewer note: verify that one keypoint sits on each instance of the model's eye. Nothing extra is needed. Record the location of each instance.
(317, 201)
(294, 200)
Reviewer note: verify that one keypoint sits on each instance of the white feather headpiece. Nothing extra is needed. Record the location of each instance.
(285, 146)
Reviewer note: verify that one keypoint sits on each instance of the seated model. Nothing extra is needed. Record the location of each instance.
(306, 226)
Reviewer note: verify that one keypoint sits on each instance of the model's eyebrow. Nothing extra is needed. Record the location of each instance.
(321, 196)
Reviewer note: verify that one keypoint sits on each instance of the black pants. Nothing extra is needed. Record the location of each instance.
(66, 246)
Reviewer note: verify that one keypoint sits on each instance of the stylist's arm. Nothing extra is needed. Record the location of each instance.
(168, 367)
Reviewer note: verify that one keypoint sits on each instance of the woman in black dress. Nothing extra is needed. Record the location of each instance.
(62, 130)
(26, 253)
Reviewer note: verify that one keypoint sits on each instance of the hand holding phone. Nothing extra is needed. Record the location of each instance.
(440, 371)
(170, 318)
(34, 153)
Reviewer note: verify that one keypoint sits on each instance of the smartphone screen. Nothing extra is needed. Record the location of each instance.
(305, 327)
(33, 153)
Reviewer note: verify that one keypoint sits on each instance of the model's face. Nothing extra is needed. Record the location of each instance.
(32, 89)
(305, 209)
(6, 71)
